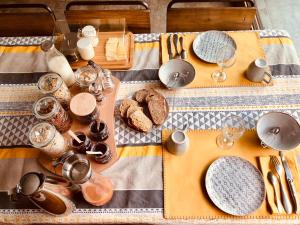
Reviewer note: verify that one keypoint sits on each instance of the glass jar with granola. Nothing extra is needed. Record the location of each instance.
(53, 84)
(49, 109)
(45, 137)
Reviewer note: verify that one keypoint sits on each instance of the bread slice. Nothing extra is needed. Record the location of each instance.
(126, 103)
(140, 121)
(132, 109)
(154, 95)
(141, 95)
(158, 110)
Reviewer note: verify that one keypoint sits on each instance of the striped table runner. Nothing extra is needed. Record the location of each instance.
(137, 176)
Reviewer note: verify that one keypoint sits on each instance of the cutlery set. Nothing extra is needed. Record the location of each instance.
(276, 175)
(173, 40)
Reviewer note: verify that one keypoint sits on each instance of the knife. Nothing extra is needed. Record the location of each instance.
(290, 180)
(169, 47)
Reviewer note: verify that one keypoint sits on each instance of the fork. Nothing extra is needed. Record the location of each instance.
(284, 196)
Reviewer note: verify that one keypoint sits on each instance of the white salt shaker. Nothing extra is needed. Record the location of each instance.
(90, 33)
(85, 48)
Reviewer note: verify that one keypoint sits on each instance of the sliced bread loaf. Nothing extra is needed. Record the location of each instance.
(132, 109)
(126, 103)
(141, 95)
(140, 121)
(158, 110)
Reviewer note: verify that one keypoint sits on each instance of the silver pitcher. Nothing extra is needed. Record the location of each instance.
(47, 192)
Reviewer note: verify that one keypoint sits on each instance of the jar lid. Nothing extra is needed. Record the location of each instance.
(89, 31)
(83, 104)
(41, 134)
(47, 45)
(49, 83)
(45, 107)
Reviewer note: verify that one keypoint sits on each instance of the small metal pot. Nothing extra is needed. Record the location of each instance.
(75, 167)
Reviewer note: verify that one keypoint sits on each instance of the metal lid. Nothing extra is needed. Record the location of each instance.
(47, 45)
(49, 83)
(30, 183)
(46, 107)
(41, 134)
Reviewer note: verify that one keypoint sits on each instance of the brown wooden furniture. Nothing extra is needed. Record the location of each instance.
(24, 20)
(137, 20)
(226, 15)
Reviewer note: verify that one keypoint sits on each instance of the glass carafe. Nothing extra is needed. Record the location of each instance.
(58, 63)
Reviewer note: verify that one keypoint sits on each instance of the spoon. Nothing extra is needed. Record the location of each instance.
(273, 180)
(183, 51)
(93, 153)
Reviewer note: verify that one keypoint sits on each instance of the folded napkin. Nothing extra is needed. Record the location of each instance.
(265, 166)
(249, 48)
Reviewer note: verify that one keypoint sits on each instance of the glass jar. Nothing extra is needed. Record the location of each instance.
(105, 77)
(49, 109)
(58, 63)
(104, 151)
(85, 76)
(45, 137)
(52, 84)
(98, 190)
(84, 146)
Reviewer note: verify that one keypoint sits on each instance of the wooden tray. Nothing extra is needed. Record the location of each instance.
(106, 114)
(100, 57)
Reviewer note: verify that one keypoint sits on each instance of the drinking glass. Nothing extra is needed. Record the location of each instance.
(233, 127)
(226, 56)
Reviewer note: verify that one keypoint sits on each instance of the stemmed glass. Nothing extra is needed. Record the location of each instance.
(226, 56)
(233, 127)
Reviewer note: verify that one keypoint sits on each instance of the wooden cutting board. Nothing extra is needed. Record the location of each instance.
(106, 114)
(100, 57)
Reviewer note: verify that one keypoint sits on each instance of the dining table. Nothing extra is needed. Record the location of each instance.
(137, 175)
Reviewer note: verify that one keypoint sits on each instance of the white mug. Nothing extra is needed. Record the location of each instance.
(178, 142)
(256, 71)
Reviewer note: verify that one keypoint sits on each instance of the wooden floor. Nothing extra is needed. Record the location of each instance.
(282, 14)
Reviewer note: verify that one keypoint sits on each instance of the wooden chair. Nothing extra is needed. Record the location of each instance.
(137, 20)
(26, 20)
(227, 15)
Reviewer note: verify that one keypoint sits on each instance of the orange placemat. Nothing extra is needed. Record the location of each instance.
(185, 196)
(248, 49)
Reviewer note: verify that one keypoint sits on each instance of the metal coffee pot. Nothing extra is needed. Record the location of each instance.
(47, 192)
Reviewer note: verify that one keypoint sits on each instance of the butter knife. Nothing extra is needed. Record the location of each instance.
(169, 47)
(290, 180)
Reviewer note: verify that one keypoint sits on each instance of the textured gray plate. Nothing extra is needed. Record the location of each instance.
(207, 44)
(235, 186)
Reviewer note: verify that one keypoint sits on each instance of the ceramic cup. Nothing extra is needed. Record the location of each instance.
(178, 142)
(256, 71)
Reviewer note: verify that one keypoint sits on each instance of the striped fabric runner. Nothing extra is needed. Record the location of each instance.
(137, 176)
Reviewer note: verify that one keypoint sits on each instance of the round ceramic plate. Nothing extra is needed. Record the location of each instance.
(235, 186)
(207, 44)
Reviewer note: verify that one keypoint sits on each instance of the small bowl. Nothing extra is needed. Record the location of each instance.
(183, 70)
(279, 131)
(106, 155)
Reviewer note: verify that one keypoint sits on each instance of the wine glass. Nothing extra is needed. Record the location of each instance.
(226, 56)
(233, 127)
